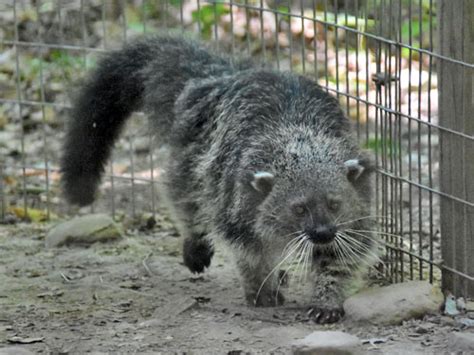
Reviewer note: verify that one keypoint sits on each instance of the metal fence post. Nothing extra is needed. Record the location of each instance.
(456, 112)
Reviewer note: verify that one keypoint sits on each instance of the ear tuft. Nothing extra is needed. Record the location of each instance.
(355, 168)
(262, 182)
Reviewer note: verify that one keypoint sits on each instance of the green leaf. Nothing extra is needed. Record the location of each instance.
(382, 145)
(208, 16)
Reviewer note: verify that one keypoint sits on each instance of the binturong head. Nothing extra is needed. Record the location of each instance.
(315, 195)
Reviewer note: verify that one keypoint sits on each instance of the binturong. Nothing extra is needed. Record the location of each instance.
(265, 160)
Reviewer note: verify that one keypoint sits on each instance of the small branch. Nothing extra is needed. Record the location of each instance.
(146, 266)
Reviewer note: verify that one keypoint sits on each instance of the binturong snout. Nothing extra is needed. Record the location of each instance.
(322, 234)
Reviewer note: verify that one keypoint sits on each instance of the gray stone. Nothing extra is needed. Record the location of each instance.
(7, 139)
(86, 230)
(395, 303)
(328, 343)
(15, 350)
(462, 341)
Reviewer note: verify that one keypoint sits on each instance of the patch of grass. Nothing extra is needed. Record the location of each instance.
(59, 64)
(382, 145)
(208, 16)
(69, 65)
(351, 21)
(65, 60)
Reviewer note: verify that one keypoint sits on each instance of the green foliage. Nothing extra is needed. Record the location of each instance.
(175, 3)
(284, 12)
(347, 21)
(420, 35)
(65, 60)
(382, 146)
(208, 16)
(59, 63)
(68, 65)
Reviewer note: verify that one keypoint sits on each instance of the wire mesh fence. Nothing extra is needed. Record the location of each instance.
(379, 57)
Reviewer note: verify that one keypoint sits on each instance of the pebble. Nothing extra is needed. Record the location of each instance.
(83, 230)
(328, 343)
(395, 303)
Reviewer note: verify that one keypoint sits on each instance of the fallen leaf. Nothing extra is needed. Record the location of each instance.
(32, 214)
(55, 293)
(9, 180)
(374, 341)
(20, 340)
(202, 299)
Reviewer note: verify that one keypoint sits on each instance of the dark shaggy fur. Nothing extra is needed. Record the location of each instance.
(256, 156)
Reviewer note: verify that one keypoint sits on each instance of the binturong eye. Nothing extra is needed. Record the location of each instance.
(334, 204)
(298, 209)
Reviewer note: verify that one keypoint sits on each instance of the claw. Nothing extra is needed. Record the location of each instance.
(325, 316)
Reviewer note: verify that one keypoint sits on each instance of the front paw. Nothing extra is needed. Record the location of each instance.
(265, 298)
(325, 315)
(197, 254)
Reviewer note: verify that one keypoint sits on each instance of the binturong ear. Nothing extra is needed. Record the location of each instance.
(359, 167)
(262, 182)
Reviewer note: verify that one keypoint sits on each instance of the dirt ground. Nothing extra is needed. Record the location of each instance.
(134, 295)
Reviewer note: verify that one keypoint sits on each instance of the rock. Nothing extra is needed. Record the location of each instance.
(83, 230)
(8, 139)
(394, 304)
(328, 343)
(461, 342)
(470, 306)
(15, 350)
(461, 304)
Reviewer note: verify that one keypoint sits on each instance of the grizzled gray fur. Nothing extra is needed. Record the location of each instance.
(257, 157)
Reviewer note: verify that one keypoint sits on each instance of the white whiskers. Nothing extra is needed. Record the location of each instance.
(352, 249)
(362, 218)
(297, 255)
(295, 245)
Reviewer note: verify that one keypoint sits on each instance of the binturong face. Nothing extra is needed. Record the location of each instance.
(316, 204)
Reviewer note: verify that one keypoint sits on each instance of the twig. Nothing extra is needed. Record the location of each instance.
(146, 266)
(65, 277)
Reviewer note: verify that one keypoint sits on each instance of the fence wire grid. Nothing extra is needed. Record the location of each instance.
(379, 57)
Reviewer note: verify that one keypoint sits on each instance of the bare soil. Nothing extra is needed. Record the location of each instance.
(135, 295)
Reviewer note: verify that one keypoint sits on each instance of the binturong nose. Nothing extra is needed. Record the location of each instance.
(323, 234)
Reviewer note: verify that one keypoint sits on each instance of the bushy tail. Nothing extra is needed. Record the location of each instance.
(115, 89)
